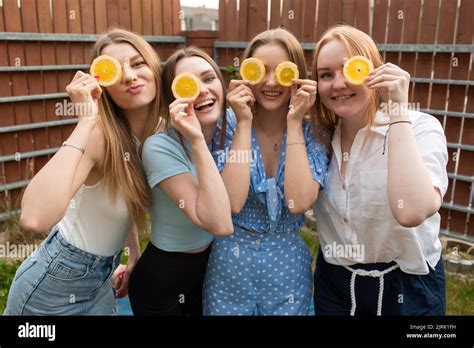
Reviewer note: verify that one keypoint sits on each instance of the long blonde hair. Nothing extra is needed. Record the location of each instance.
(358, 43)
(123, 171)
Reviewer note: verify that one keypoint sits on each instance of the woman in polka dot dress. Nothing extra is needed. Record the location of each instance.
(273, 167)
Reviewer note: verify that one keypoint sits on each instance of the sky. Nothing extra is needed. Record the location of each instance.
(199, 3)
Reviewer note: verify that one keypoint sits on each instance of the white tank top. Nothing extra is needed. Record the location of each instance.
(94, 223)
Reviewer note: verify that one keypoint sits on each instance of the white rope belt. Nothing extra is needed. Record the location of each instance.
(374, 274)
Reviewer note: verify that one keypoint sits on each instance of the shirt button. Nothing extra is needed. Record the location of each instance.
(344, 186)
(346, 220)
(257, 242)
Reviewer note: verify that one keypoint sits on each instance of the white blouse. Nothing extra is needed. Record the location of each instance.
(353, 216)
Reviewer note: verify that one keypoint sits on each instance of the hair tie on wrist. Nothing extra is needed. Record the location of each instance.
(385, 137)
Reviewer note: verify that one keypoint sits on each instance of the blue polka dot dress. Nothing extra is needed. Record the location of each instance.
(264, 268)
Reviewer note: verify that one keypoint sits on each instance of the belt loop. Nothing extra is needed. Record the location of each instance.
(94, 264)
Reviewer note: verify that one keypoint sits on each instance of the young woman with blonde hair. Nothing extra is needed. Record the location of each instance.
(265, 267)
(92, 195)
(386, 182)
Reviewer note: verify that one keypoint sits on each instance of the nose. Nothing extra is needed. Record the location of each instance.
(269, 79)
(128, 74)
(204, 89)
(339, 81)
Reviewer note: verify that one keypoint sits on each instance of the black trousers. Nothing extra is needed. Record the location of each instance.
(168, 283)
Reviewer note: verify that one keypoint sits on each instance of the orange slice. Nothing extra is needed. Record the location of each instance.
(108, 69)
(186, 85)
(252, 70)
(285, 73)
(356, 69)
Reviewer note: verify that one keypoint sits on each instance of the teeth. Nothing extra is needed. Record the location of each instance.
(342, 97)
(206, 102)
(272, 94)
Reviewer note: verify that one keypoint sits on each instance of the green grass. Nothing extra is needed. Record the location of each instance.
(459, 290)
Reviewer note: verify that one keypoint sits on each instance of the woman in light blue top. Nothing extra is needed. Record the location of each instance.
(189, 204)
(265, 267)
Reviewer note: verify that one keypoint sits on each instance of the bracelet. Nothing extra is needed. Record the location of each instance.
(385, 138)
(288, 144)
(74, 146)
(399, 122)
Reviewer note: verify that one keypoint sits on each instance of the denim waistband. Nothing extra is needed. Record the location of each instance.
(72, 252)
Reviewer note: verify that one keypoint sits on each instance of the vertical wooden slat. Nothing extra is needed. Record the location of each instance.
(362, 15)
(232, 24)
(286, 14)
(380, 17)
(411, 16)
(258, 12)
(424, 62)
(167, 18)
(309, 20)
(88, 17)
(62, 58)
(243, 20)
(75, 27)
(136, 14)
(457, 95)
(275, 13)
(50, 79)
(395, 23)
(100, 9)
(34, 78)
(112, 13)
(157, 8)
(124, 14)
(175, 17)
(322, 19)
(12, 143)
(348, 11)
(334, 12)
(88, 25)
(222, 22)
(147, 17)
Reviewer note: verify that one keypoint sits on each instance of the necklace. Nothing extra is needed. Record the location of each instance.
(272, 141)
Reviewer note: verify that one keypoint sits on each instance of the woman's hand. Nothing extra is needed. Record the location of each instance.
(184, 120)
(241, 99)
(85, 91)
(121, 277)
(393, 83)
(301, 99)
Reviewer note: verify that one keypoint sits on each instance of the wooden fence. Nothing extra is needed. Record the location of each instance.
(431, 39)
(35, 68)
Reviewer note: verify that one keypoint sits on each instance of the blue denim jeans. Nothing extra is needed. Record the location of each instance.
(61, 279)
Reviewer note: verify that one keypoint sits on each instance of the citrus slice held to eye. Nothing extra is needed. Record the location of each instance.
(186, 85)
(285, 72)
(356, 69)
(107, 68)
(252, 70)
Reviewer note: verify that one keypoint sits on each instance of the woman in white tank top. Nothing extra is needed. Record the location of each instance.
(92, 195)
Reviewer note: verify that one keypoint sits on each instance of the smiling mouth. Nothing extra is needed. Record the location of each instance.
(205, 105)
(343, 97)
(272, 94)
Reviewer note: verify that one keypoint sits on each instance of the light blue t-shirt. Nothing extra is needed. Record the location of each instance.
(164, 157)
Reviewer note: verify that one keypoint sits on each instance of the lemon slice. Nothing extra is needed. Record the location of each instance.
(186, 85)
(108, 69)
(285, 73)
(356, 69)
(252, 70)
